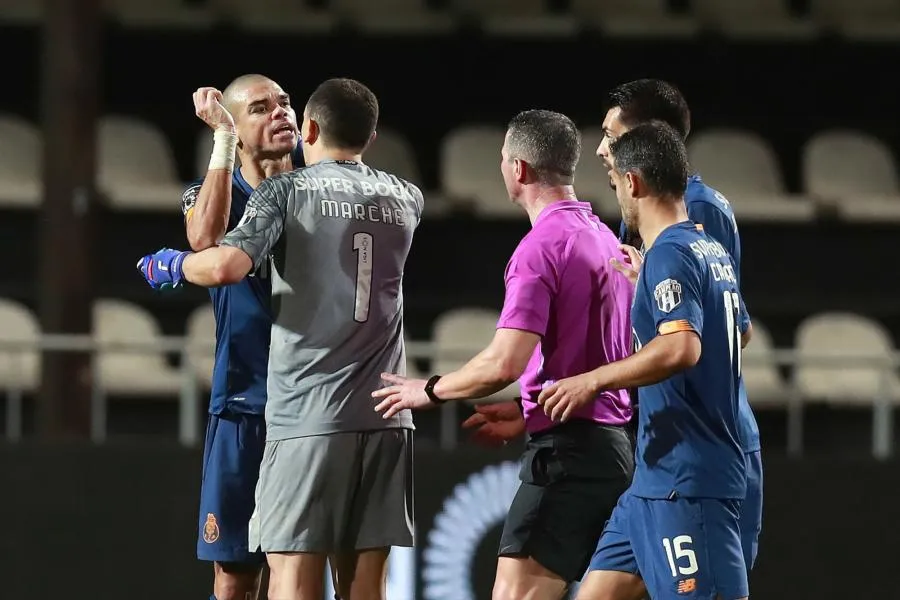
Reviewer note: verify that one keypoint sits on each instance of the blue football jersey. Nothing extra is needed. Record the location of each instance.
(688, 437)
(243, 323)
(710, 208)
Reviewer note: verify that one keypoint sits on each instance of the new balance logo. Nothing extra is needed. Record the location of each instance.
(686, 586)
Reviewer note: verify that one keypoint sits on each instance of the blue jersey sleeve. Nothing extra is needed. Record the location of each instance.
(744, 318)
(672, 278)
(189, 199)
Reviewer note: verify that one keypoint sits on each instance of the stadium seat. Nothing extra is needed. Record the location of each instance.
(136, 166)
(393, 153)
(854, 172)
(642, 18)
(516, 17)
(277, 16)
(591, 178)
(744, 168)
(762, 19)
(859, 19)
(20, 163)
(393, 16)
(131, 373)
(20, 369)
(765, 386)
(21, 12)
(200, 334)
(460, 334)
(844, 336)
(163, 14)
(470, 171)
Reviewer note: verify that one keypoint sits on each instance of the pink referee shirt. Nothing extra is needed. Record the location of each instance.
(560, 285)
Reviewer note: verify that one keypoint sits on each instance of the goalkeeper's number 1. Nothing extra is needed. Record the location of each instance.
(362, 246)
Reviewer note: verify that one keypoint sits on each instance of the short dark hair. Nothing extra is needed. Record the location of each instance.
(548, 141)
(346, 112)
(656, 153)
(645, 100)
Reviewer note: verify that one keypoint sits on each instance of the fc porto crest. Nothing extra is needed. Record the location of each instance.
(210, 529)
(189, 199)
(667, 294)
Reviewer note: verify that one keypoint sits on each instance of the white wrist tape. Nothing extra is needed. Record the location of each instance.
(224, 147)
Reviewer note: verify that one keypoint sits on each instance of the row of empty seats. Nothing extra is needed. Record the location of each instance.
(858, 350)
(848, 172)
(738, 18)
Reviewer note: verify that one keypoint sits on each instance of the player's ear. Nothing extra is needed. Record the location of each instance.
(520, 168)
(312, 133)
(634, 184)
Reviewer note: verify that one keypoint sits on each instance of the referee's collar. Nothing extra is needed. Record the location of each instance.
(562, 205)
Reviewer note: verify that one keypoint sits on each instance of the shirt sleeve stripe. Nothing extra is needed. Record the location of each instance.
(674, 327)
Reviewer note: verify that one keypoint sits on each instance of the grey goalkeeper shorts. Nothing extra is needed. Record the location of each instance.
(333, 493)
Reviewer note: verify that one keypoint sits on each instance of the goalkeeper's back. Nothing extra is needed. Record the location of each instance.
(338, 297)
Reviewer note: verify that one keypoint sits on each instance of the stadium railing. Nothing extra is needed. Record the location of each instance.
(189, 426)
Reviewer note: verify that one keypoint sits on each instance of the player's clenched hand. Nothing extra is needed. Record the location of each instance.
(566, 396)
(400, 394)
(496, 423)
(163, 269)
(208, 106)
(631, 266)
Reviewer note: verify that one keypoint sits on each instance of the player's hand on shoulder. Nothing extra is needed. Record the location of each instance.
(400, 394)
(163, 269)
(496, 423)
(564, 397)
(630, 263)
(208, 105)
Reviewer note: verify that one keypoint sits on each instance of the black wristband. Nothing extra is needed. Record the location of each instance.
(429, 389)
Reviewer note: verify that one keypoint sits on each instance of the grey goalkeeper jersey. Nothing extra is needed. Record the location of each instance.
(338, 233)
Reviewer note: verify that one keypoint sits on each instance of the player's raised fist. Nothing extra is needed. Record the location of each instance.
(208, 105)
(162, 269)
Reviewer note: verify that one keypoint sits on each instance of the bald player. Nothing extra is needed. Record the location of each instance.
(253, 120)
(336, 478)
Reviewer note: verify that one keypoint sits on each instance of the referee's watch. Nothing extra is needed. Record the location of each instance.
(429, 389)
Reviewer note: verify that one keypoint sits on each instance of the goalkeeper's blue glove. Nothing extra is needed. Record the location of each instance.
(163, 268)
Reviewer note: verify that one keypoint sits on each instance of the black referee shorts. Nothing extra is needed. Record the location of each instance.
(572, 476)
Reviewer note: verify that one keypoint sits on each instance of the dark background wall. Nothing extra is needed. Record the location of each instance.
(120, 522)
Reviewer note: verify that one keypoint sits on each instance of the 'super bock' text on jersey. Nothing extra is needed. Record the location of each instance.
(688, 439)
(243, 322)
(711, 209)
(339, 233)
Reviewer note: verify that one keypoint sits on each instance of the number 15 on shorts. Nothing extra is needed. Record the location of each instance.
(681, 556)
